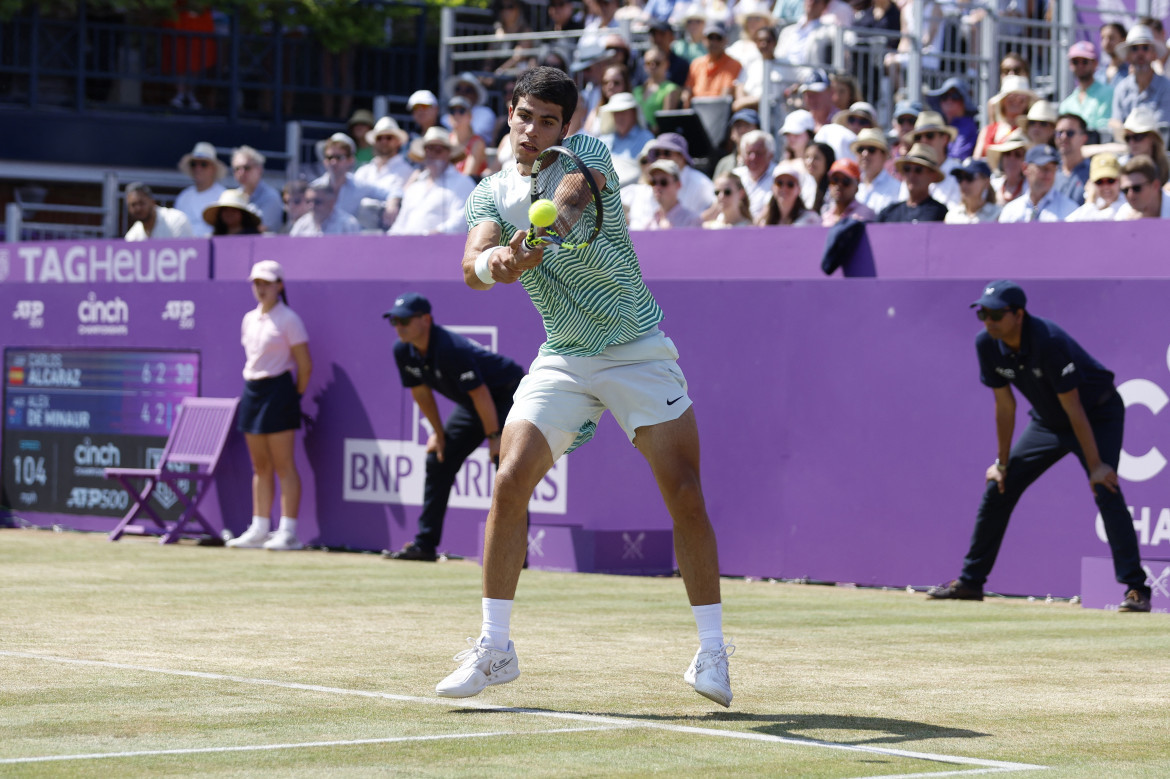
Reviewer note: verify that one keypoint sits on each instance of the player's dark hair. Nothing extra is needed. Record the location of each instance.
(550, 85)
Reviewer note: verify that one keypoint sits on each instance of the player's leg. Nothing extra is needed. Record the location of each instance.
(525, 457)
(263, 491)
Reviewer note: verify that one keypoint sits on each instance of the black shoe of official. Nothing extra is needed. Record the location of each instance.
(1136, 601)
(956, 590)
(411, 552)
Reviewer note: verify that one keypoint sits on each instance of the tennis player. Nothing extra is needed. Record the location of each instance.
(603, 351)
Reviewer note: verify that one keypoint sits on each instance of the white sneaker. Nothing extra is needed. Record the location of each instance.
(283, 541)
(253, 538)
(709, 675)
(480, 667)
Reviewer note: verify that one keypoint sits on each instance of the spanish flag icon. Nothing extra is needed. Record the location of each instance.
(16, 376)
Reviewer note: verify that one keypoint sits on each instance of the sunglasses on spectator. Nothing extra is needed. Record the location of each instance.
(661, 182)
(295, 201)
(913, 169)
(1105, 181)
(867, 150)
(906, 120)
(786, 183)
(1135, 189)
(953, 97)
(994, 314)
(402, 320)
(929, 135)
(1078, 61)
(1131, 137)
(964, 178)
(458, 110)
(1139, 47)
(1067, 133)
(725, 192)
(841, 181)
(336, 157)
(859, 121)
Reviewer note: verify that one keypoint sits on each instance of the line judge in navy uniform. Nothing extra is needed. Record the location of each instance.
(480, 382)
(1075, 408)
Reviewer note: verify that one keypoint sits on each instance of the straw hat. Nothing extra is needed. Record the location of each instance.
(932, 122)
(203, 151)
(622, 101)
(860, 109)
(1013, 85)
(1140, 33)
(436, 136)
(870, 136)
(387, 126)
(1142, 120)
(753, 8)
(1015, 140)
(1041, 111)
(236, 199)
(921, 154)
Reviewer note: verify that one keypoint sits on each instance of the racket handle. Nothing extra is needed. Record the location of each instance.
(533, 242)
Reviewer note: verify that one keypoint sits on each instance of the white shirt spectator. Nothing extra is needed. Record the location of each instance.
(1053, 207)
(654, 219)
(434, 206)
(757, 190)
(349, 196)
(957, 215)
(1126, 212)
(192, 202)
(698, 191)
(1093, 212)
(882, 191)
(390, 175)
(168, 223)
(798, 42)
(338, 223)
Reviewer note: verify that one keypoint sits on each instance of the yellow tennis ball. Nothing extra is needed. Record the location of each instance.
(542, 213)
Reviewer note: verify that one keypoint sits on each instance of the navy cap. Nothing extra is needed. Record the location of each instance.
(973, 167)
(1042, 155)
(409, 304)
(907, 108)
(749, 115)
(660, 25)
(816, 81)
(1001, 294)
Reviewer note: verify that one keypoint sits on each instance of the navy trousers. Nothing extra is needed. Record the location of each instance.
(1038, 449)
(463, 433)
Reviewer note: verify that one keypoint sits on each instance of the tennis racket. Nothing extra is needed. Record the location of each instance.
(560, 175)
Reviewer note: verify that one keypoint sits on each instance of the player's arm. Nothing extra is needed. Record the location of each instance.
(1005, 427)
(505, 263)
(1099, 472)
(300, 355)
(485, 407)
(429, 409)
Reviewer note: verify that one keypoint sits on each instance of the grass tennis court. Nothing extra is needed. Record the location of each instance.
(132, 659)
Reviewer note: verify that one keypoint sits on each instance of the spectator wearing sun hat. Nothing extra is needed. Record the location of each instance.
(844, 177)
(751, 16)
(931, 129)
(668, 211)
(467, 86)
(1009, 107)
(698, 191)
(1006, 160)
(358, 127)
(389, 169)
(1142, 88)
(1090, 99)
(622, 126)
(232, 214)
(434, 201)
(203, 166)
(876, 188)
(919, 168)
(424, 109)
(1042, 203)
(1040, 123)
(978, 204)
(1105, 185)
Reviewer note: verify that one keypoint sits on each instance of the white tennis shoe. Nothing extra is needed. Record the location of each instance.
(252, 538)
(480, 666)
(283, 541)
(709, 674)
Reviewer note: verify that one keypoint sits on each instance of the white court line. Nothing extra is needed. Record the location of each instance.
(300, 745)
(572, 716)
(960, 772)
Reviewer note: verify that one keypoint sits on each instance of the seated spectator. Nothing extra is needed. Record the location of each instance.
(470, 156)
(389, 169)
(1009, 108)
(658, 93)
(930, 129)
(818, 158)
(615, 79)
(1006, 160)
(692, 45)
(622, 127)
(150, 219)
(817, 98)
(295, 204)
(205, 170)
(876, 188)
(977, 204)
(1113, 67)
(714, 73)
(1073, 174)
(731, 199)
(1103, 195)
(1014, 64)
(758, 152)
(749, 86)
(844, 177)
(1040, 123)
(741, 123)
(563, 16)
(1143, 136)
(751, 16)
(698, 193)
(337, 152)
(1142, 87)
(668, 211)
(1090, 99)
(845, 90)
(901, 126)
(323, 217)
(424, 109)
(248, 167)
(662, 41)
(599, 20)
(467, 86)
(919, 168)
(233, 215)
(433, 201)
(798, 134)
(358, 127)
(803, 43)
(785, 204)
(1042, 202)
(856, 116)
(953, 101)
(1141, 184)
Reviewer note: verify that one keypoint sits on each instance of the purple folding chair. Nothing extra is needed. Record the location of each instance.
(197, 438)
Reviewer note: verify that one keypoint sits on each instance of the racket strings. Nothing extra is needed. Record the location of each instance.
(566, 186)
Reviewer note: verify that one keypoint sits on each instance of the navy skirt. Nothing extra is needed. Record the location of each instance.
(270, 405)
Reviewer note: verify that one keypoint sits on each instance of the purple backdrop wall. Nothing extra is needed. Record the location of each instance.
(844, 429)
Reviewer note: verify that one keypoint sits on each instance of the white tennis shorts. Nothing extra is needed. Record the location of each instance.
(639, 382)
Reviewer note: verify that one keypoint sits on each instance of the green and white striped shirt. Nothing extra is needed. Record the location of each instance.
(589, 298)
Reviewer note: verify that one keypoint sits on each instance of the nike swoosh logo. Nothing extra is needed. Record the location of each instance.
(499, 665)
(676, 400)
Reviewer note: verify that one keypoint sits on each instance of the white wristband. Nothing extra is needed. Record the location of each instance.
(483, 265)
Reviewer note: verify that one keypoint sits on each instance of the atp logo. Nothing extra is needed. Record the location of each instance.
(181, 311)
(31, 311)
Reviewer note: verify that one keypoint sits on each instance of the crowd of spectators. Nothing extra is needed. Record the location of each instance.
(1098, 152)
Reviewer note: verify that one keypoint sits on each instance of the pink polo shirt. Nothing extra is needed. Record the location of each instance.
(268, 340)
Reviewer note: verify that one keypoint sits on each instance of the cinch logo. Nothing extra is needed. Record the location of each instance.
(87, 453)
(181, 311)
(103, 317)
(31, 311)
